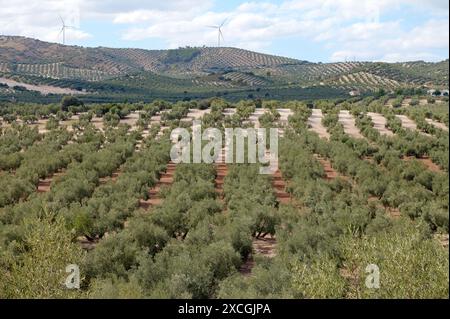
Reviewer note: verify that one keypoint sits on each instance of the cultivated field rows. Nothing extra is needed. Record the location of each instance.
(315, 121)
(380, 123)
(180, 212)
(348, 122)
(437, 124)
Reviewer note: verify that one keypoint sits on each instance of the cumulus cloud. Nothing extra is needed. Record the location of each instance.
(351, 28)
(348, 28)
(389, 43)
(41, 19)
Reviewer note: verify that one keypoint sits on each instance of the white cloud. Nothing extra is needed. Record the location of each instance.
(352, 28)
(388, 42)
(347, 28)
(41, 19)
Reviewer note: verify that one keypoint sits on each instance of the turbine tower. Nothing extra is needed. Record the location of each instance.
(63, 29)
(219, 29)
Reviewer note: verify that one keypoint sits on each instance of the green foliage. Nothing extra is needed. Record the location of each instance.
(192, 245)
(319, 279)
(69, 101)
(410, 266)
(181, 55)
(39, 269)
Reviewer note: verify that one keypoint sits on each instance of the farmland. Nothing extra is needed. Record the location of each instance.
(359, 182)
(42, 72)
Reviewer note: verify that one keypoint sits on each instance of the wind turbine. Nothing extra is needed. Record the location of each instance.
(63, 29)
(220, 34)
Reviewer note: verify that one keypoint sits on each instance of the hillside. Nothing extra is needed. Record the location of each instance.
(54, 60)
(198, 72)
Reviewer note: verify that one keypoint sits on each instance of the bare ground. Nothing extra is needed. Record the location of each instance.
(425, 161)
(265, 247)
(43, 89)
(330, 173)
(44, 185)
(315, 122)
(348, 122)
(166, 179)
(380, 123)
(222, 171)
(405, 102)
(437, 124)
(279, 185)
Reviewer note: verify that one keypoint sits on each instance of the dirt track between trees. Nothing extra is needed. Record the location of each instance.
(265, 247)
(379, 123)
(44, 185)
(315, 122)
(426, 161)
(166, 179)
(437, 124)
(349, 124)
(221, 173)
(330, 173)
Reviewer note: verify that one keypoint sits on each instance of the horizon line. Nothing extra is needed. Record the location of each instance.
(215, 47)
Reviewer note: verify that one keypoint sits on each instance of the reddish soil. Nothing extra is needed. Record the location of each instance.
(87, 244)
(44, 185)
(112, 178)
(246, 268)
(263, 247)
(221, 173)
(425, 161)
(166, 179)
(393, 212)
(222, 170)
(330, 173)
(279, 185)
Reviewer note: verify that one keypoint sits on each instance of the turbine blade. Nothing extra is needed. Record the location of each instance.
(221, 34)
(62, 20)
(212, 26)
(223, 23)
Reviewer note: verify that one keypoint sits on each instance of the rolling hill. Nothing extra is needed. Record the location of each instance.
(197, 72)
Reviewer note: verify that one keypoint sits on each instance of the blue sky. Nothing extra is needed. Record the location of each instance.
(319, 30)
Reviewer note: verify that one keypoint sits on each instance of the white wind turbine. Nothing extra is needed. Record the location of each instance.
(219, 29)
(63, 29)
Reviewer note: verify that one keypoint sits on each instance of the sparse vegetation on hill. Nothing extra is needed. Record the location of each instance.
(107, 74)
